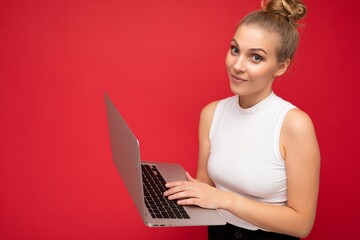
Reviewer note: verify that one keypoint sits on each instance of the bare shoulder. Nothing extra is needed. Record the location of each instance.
(208, 111)
(298, 136)
(297, 122)
(206, 118)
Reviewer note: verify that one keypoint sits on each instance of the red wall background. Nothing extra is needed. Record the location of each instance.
(161, 62)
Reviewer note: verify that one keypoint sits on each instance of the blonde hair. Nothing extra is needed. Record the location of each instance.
(279, 16)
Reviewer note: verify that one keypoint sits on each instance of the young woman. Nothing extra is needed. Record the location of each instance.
(259, 160)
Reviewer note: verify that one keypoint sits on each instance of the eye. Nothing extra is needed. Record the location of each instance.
(256, 58)
(234, 50)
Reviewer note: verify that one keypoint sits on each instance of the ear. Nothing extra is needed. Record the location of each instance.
(282, 67)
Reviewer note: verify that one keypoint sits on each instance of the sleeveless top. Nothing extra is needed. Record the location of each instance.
(244, 152)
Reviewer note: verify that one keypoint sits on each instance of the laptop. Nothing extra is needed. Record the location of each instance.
(137, 176)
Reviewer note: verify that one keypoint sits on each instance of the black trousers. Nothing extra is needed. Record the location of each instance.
(231, 232)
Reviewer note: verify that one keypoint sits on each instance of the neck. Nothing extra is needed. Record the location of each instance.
(248, 101)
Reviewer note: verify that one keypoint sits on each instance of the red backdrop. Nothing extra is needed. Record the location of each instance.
(161, 62)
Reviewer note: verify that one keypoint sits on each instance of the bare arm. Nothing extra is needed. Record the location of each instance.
(206, 118)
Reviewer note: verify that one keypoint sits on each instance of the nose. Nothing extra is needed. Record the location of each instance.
(239, 64)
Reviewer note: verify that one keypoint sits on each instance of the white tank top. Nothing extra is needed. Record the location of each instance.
(244, 152)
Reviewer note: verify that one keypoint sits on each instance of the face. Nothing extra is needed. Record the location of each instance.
(252, 64)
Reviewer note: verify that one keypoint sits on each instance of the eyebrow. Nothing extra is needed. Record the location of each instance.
(233, 40)
(251, 49)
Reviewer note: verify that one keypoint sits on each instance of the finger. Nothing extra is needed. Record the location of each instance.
(188, 201)
(174, 189)
(179, 195)
(173, 184)
(178, 192)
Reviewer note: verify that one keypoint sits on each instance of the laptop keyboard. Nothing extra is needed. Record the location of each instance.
(154, 187)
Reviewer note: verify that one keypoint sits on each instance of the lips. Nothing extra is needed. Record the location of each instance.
(237, 79)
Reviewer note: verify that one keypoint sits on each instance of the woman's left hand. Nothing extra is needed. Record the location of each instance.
(193, 192)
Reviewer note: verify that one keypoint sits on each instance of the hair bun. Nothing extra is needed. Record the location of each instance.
(292, 10)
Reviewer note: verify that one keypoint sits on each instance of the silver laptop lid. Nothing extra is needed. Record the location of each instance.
(125, 154)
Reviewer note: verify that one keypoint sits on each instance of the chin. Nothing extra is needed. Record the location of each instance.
(237, 90)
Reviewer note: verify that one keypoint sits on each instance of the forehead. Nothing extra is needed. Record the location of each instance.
(254, 37)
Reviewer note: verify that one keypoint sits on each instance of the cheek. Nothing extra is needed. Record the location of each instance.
(259, 72)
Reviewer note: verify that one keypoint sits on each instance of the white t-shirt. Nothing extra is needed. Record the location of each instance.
(244, 152)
